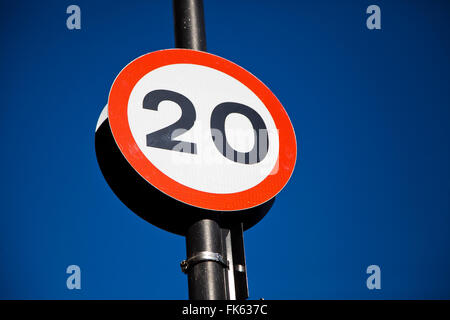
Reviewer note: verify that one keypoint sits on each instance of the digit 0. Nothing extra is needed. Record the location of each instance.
(261, 141)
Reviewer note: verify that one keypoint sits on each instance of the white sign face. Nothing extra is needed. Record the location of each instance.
(208, 169)
(202, 129)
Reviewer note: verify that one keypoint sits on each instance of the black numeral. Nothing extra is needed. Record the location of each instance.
(163, 138)
(261, 145)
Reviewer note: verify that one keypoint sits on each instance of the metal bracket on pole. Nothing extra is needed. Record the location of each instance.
(201, 257)
(236, 275)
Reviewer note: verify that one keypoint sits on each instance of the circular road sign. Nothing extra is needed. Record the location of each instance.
(202, 130)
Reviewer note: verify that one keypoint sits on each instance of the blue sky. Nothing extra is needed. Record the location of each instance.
(371, 115)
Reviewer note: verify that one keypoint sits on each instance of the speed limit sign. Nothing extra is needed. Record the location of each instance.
(201, 130)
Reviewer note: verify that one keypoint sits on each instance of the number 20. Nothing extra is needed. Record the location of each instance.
(163, 138)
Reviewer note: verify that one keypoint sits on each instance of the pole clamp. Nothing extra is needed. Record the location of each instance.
(202, 257)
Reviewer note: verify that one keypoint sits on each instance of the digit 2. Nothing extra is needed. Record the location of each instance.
(163, 138)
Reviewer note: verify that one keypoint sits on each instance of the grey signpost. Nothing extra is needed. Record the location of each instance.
(209, 264)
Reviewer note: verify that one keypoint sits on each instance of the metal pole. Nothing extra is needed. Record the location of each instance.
(206, 278)
(189, 24)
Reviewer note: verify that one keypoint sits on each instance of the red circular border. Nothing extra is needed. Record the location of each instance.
(118, 120)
